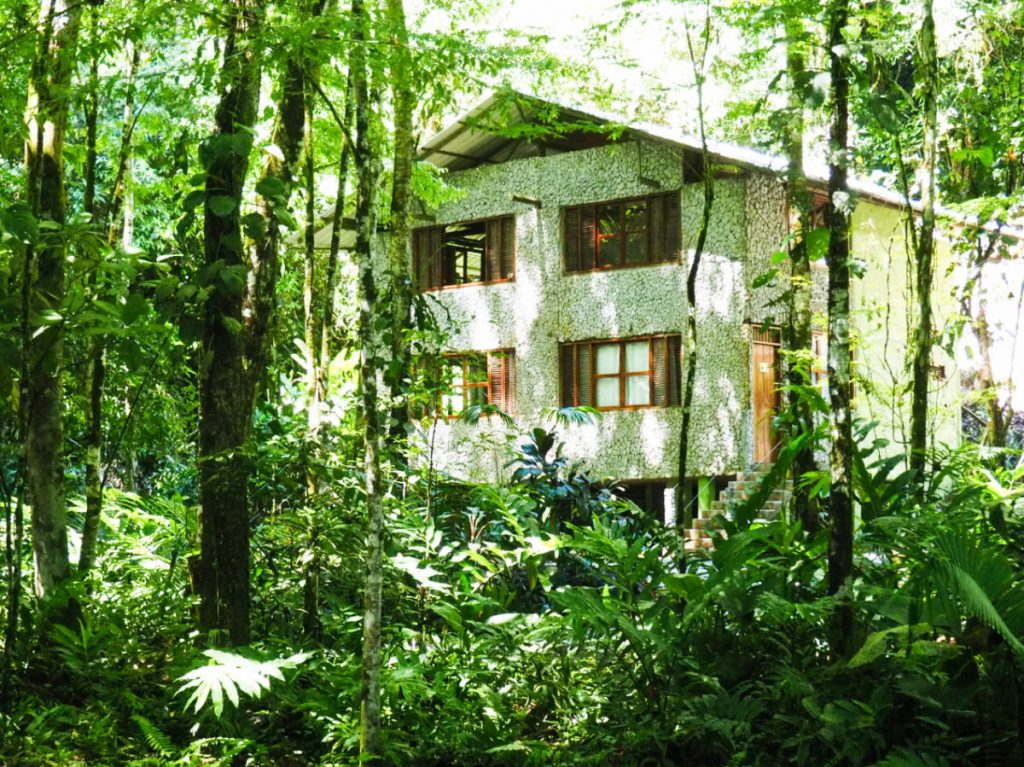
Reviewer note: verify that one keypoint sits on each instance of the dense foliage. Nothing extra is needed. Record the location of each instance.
(540, 620)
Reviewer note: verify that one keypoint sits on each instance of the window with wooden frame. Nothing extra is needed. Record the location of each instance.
(467, 253)
(479, 378)
(622, 374)
(618, 233)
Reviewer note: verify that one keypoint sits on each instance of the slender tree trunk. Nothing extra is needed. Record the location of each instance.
(799, 329)
(97, 362)
(840, 548)
(684, 514)
(331, 276)
(314, 394)
(221, 575)
(367, 172)
(922, 340)
(400, 242)
(47, 118)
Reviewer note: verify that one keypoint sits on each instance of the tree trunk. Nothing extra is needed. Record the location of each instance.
(684, 515)
(367, 171)
(225, 387)
(314, 394)
(922, 334)
(799, 329)
(47, 118)
(331, 276)
(400, 243)
(840, 548)
(97, 363)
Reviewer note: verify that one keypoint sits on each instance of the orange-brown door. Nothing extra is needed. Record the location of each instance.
(765, 392)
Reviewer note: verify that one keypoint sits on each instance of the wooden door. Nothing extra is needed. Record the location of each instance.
(765, 392)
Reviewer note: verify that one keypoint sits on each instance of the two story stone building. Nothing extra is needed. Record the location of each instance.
(560, 275)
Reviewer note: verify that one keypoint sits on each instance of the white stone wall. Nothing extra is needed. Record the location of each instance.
(545, 306)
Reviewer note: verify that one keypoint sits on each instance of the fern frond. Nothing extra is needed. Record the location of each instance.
(157, 740)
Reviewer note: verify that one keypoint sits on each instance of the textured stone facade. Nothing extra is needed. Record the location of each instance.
(545, 306)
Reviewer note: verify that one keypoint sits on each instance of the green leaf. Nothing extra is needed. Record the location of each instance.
(135, 306)
(255, 227)
(271, 186)
(222, 205)
(194, 199)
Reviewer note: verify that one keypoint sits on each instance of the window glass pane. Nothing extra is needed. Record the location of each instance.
(638, 356)
(636, 216)
(638, 390)
(607, 359)
(476, 371)
(636, 247)
(476, 395)
(455, 378)
(609, 250)
(608, 219)
(453, 403)
(608, 392)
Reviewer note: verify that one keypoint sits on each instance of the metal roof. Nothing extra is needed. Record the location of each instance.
(501, 127)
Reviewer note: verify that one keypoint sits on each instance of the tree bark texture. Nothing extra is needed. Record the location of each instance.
(401, 194)
(225, 388)
(97, 363)
(840, 548)
(799, 328)
(47, 117)
(923, 262)
(367, 172)
(684, 515)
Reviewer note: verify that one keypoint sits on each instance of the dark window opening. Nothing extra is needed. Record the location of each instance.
(466, 253)
(648, 496)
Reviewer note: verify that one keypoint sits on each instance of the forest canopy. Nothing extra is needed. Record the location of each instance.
(230, 286)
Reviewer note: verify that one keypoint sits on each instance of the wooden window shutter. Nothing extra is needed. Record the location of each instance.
(660, 370)
(655, 229)
(496, 380)
(421, 257)
(571, 239)
(567, 373)
(588, 237)
(673, 369)
(670, 227)
(492, 251)
(584, 383)
(508, 248)
(510, 381)
(501, 380)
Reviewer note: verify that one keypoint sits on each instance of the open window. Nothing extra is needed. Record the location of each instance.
(618, 233)
(478, 378)
(467, 253)
(622, 374)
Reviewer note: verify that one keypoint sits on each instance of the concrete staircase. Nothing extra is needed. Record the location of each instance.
(737, 491)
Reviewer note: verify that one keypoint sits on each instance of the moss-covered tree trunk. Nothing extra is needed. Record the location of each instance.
(924, 257)
(47, 118)
(367, 172)
(221, 575)
(97, 364)
(840, 547)
(798, 331)
(401, 196)
(684, 515)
